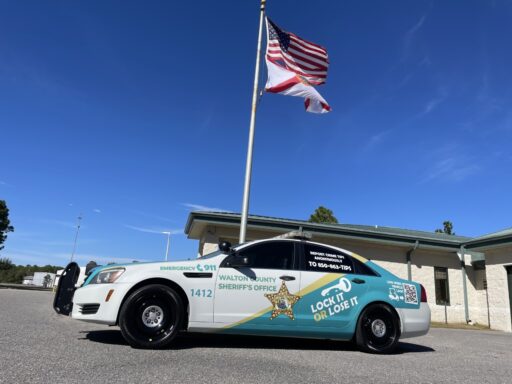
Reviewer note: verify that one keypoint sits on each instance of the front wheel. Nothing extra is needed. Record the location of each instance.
(378, 329)
(151, 316)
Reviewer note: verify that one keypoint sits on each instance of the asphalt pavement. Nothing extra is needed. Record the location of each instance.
(39, 346)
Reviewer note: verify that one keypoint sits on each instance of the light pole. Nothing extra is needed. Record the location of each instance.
(76, 237)
(168, 233)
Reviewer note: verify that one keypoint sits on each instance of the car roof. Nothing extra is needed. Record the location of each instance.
(272, 239)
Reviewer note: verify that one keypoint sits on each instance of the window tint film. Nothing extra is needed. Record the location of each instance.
(322, 259)
(362, 269)
(271, 255)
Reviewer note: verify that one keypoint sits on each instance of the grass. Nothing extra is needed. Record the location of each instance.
(476, 326)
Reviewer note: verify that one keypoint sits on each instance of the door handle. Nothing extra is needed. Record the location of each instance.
(358, 281)
(287, 278)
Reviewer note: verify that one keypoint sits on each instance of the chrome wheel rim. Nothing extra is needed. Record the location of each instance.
(378, 328)
(152, 316)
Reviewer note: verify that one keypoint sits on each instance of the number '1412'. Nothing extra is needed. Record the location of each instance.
(201, 292)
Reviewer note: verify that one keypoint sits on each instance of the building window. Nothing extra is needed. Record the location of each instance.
(442, 287)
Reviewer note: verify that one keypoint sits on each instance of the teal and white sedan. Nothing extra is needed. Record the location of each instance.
(274, 287)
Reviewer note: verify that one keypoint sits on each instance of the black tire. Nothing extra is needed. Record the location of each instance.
(151, 316)
(378, 329)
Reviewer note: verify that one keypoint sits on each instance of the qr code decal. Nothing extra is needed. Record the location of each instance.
(411, 294)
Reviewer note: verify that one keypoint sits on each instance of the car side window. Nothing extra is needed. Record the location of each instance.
(362, 269)
(270, 255)
(323, 259)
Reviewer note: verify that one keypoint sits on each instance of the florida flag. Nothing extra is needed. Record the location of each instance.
(295, 66)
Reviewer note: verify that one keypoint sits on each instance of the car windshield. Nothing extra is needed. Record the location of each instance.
(211, 255)
(217, 253)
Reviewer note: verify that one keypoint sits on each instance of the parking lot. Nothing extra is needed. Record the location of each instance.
(37, 345)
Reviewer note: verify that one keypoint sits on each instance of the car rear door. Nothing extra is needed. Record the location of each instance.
(332, 288)
(261, 294)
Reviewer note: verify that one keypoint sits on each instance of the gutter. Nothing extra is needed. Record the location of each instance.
(408, 258)
(464, 287)
(489, 242)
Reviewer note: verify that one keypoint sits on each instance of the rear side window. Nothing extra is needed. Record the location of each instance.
(271, 255)
(323, 259)
(362, 269)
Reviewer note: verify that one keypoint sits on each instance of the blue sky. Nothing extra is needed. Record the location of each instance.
(134, 113)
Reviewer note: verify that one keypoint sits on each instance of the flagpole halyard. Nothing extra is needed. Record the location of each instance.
(248, 166)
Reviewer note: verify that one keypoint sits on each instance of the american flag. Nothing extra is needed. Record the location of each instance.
(306, 59)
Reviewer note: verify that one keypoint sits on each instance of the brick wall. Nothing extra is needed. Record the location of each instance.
(498, 288)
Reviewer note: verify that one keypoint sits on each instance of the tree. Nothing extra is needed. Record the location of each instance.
(447, 228)
(5, 224)
(323, 215)
(5, 264)
(16, 273)
(47, 281)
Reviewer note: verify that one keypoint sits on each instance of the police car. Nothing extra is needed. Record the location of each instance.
(288, 286)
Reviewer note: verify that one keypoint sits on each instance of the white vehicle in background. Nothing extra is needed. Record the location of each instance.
(274, 287)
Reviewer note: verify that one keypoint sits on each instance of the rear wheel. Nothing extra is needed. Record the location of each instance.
(151, 316)
(378, 329)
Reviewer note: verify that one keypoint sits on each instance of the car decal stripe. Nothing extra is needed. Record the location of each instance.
(359, 257)
(326, 279)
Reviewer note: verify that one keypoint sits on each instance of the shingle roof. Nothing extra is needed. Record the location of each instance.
(500, 238)
(504, 232)
(376, 232)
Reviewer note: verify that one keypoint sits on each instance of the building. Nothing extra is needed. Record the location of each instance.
(44, 279)
(81, 277)
(40, 279)
(468, 280)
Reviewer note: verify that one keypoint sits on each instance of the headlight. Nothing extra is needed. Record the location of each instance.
(107, 276)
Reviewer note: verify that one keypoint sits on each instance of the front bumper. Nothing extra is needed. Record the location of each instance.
(90, 302)
(415, 322)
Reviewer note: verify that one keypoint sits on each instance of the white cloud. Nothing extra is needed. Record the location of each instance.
(198, 207)
(23, 257)
(411, 33)
(151, 216)
(96, 210)
(442, 95)
(429, 107)
(452, 169)
(376, 139)
(154, 230)
(451, 166)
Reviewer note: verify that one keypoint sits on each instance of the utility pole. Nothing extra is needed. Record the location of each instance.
(76, 237)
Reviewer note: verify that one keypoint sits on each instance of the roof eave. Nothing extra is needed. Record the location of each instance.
(326, 230)
(491, 242)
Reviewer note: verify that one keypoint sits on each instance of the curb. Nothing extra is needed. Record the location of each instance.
(24, 287)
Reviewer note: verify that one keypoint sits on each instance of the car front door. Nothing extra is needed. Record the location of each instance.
(261, 292)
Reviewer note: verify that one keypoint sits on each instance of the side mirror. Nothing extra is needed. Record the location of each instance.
(225, 246)
(239, 261)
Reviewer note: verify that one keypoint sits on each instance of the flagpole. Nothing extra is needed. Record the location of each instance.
(248, 166)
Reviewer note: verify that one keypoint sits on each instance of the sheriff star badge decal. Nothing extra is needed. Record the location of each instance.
(282, 302)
